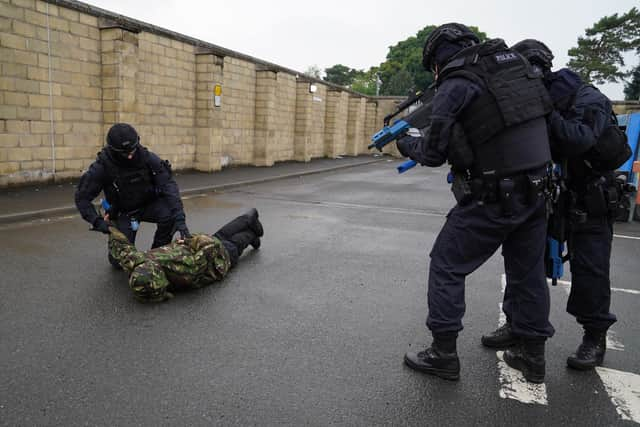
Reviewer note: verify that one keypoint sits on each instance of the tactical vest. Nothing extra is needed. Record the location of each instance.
(129, 189)
(505, 124)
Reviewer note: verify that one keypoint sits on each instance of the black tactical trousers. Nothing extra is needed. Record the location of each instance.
(156, 212)
(236, 235)
(590, 297)
(470, 236)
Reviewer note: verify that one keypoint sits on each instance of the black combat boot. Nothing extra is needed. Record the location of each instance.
(591, 352)
(247, 222)
(528, 358)
(501, 338)
(244, 239)
(441, 359)
(254, 223)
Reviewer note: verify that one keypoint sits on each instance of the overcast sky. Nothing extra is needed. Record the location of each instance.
(298, 34)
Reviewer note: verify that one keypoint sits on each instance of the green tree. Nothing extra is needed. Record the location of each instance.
(407, 55)
(366, 82)
(632, 89)
(340, 74)
(599, 56)
(400, 83)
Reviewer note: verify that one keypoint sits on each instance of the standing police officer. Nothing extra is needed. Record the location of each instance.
(137, 184)
(489, 94)
(584, 134)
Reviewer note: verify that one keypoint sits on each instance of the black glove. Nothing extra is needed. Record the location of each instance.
(404, 143)
(100, 225)
(181, 227)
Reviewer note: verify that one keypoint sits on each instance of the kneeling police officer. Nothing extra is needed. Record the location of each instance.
(138, 186)
(488, 121)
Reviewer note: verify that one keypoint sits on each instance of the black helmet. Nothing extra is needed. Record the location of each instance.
(123, 138)
(453, 33)
(536, 52)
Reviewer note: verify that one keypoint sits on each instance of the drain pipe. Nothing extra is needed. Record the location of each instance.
(52, 128)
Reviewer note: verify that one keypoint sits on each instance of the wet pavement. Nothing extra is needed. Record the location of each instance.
(308, 330)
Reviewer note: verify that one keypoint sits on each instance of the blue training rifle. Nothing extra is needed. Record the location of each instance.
(418, 118)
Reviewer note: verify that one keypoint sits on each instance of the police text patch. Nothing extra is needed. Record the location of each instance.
(506, 57)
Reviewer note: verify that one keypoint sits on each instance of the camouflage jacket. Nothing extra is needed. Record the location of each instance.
(195, 262)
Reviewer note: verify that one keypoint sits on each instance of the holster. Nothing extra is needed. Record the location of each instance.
(536, 187)
(461, 189)
(598, 200)
(506, 188)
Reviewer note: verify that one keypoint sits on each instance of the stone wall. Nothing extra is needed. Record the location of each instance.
(51, 115)
(69, 70)
(625, 107)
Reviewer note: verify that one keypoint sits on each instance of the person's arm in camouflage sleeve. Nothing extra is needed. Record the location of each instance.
(124, 251)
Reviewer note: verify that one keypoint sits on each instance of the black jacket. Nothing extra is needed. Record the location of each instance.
(102, 174)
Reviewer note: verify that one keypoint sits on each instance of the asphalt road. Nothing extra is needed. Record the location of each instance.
(309, 330)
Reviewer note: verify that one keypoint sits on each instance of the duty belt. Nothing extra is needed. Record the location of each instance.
(502, 190)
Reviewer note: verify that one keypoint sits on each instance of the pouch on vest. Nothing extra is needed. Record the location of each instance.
(134, 188)
(611, 149)
(460, 153)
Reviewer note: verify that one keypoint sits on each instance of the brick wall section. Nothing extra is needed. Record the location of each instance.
(265, 132)
(318, 122)
(355, 125)
(239, 107)
(625, 107)
(281, 145)
(209, 73)
(166, 98)
(303, 125)
(336, 123)
(120, 64)
(68, 71)
(371, 124)
(50, 91)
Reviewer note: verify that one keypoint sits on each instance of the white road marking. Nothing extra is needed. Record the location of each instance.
(613, 343)
(622, 387)
(627, 291)
(567, 285)
(514, 386)
(624, 390)
(622, 236)
(512, 382)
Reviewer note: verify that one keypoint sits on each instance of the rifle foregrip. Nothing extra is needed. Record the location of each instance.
(405, 166)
